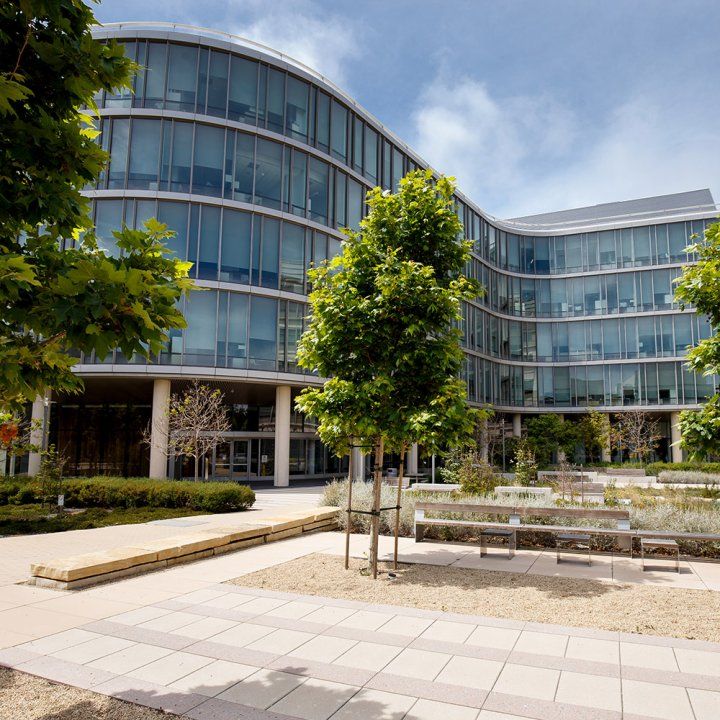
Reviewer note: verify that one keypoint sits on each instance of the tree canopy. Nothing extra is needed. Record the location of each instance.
(384, 324)
(58, 291)
(699, 286)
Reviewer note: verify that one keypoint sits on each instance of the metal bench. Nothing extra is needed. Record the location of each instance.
(659, 544)
(578, 541)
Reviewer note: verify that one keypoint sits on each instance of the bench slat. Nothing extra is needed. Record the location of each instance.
(523, 510)
(531, 528)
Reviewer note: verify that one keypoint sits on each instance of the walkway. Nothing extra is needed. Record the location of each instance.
(16, 553)
(183, 641)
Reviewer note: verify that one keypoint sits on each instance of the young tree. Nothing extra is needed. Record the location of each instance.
(382, 329)
(637, 432)
(593, 431)
(57, 290)
(194, 424)
(699, 286)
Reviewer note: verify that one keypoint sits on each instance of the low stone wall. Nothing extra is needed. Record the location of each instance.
(79, 571)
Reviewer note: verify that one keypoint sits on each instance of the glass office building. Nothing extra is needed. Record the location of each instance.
(256, 162)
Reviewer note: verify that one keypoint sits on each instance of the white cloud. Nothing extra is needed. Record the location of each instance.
(531, 154)
(298, 28)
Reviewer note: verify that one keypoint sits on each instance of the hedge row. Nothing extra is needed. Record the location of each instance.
(106, 492)
(703, 467)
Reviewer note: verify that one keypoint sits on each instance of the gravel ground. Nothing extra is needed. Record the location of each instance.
(31, 698)
(537, 598)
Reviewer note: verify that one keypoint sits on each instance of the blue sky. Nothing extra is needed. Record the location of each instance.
(534, 105)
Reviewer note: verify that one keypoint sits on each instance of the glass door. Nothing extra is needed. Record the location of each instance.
(240, 459)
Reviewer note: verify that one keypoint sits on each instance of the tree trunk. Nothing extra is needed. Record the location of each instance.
(197, 463)
(348, 518)
(401, 472)
(375, 517)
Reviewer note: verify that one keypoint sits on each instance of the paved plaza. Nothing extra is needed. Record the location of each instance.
(183, 641)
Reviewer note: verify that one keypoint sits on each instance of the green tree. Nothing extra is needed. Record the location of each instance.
(384, 329)
(548, 434)
(58, 291)
(593, 431)
(699, 286)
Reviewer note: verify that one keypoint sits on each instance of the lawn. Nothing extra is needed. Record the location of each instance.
(35, 518)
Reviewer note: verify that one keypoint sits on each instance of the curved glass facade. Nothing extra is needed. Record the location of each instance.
(256, 164)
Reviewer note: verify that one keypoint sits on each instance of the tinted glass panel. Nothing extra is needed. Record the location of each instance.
(182, 78)
(296, 108)
(268, 174)
(144, 149)
(263, 329)
(235, 259)
(218, 84)
(208, 164)
(242, 104)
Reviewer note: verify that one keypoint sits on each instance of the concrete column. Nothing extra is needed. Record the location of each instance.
(358, 463)
(675, 449)
(40, 418)
(517, 425)
(282, 435)
(159, 427)
(606, 451)
(412, 460)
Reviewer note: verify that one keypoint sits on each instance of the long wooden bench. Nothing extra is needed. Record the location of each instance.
(566, 537)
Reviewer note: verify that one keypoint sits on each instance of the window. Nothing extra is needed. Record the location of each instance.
(175, 216)
(340, 199)
(296, 108)
(338, 126)
(181, 157)
(357, 144)
(268, 174)
(275, 100)
(397, 169)
(144, 149)
(218, 84)
(269, 253)
(318, 190)
(200, 312)
(626, 292)
(371, 154)
(641, 238)
(108, 217)
(263, 333)
(207, 266)
(208, 160)
(237, 331)
(182, 78)
(155, 75)
(244, 164)
(298, 184)
(662, 290)
(118, 153)
(235, 256)
(122, 97)
(292, 261)
(323, 122)
(678, 240)
(683, 333)
(355, 204)
(242, 103)
(607, 249)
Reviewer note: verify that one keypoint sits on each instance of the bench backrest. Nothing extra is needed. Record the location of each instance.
(515, 512)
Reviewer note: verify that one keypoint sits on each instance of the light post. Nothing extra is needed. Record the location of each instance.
(502, 430)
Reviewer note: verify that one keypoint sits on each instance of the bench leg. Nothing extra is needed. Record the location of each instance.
(512, 545)
(589, 556)
(483, 551)
(677, 562)
(419, 533)
(557, 552)
(642, 557)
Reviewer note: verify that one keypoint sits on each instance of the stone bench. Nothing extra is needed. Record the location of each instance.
(80, 571)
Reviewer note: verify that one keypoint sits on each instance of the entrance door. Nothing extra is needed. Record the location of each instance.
(240, 459)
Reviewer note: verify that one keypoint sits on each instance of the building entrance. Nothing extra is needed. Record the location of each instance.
(245, 459)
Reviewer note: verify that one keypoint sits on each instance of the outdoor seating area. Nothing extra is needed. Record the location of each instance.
(567, 537)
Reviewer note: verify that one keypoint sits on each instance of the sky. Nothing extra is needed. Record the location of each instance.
(532, 105)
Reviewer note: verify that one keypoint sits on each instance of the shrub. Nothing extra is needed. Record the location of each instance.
(658, 467)
(107, 492)
(477, 477)
(690, 477)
